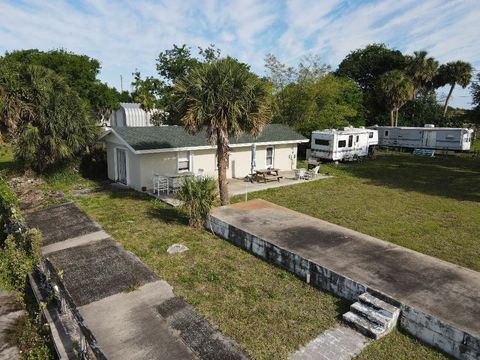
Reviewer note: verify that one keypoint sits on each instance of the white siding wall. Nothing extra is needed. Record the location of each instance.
(140, 168)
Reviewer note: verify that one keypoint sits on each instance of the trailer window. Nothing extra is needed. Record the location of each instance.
(386, 132)
(356, 140)
(370, 135)
(350, 141)
(342, 143)
(322, 142)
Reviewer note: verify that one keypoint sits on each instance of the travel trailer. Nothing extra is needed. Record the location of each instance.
(427, 137)
(347, 143)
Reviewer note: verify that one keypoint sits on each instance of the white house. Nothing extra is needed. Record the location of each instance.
(135, 154)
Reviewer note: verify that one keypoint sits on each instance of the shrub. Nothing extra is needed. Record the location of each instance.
(9, 214)
(198, 195)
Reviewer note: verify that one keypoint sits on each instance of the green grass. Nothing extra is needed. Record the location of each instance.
(431, 205)
(267, 310)
(399, 346)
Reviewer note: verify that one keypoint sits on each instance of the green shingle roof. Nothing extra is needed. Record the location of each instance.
(169, 137)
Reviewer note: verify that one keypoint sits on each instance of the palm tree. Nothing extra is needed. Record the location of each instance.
(452, 73)
(226, 99)
(395, 88)
(422, 70)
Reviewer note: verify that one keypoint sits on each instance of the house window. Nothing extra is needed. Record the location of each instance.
(342, 143)
(356, 140)
(269, 157)
(370, 135)
(386, 132)
(350, 141)
(322, 142)
(183, 161)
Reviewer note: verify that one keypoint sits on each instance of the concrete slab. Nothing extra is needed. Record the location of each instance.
(128, 326)
(427, 288)
(78, 241)
(61, 222)
(94, 271)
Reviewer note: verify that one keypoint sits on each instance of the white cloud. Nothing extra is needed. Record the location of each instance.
(125, 35)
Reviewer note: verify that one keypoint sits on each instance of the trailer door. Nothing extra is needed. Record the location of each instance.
(430, 139)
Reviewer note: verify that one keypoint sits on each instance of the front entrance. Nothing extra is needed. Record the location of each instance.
(122, 166)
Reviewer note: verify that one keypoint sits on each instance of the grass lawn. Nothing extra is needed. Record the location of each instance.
(431, 205)
(268, 311)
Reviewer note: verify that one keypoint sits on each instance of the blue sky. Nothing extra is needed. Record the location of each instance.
(128, 35)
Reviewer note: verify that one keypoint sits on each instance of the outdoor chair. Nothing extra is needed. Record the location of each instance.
(175, 185)
(312, 173)
(160, 184)
(300, 174)
(200, 172)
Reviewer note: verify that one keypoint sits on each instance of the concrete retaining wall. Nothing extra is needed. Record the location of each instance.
(421, 325)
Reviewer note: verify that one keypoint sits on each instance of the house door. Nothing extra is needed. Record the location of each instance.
(122, 166)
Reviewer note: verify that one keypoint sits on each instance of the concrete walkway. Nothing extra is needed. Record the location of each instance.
(338, 343)
(440, 301)
(131, 312)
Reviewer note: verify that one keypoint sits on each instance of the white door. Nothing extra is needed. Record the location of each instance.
(122, 166)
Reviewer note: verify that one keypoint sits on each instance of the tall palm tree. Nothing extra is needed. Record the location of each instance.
(452, 73)
(395, 88)
(422, 70)
(226, 99)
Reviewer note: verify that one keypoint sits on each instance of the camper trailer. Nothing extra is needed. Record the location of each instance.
(428, 137)
(347, 143)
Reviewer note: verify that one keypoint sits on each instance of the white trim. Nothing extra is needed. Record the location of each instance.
(115, 149)
(204, 147)
(272, 165)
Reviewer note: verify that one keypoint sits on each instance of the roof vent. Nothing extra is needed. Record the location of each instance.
(429, 125)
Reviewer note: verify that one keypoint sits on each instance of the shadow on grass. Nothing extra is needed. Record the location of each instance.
(455, 176)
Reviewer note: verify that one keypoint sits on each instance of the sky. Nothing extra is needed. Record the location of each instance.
(128, 35)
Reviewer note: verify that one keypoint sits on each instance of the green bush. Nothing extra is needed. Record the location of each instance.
(9, 214)
(198, 195)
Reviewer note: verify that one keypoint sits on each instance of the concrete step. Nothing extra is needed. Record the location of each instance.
(363, 325)
(384, 308)
(370, 314)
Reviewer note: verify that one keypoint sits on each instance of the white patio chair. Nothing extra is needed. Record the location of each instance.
(300, 174)
(160, 184)
(312, 173)
(200, 172)
(175, 184)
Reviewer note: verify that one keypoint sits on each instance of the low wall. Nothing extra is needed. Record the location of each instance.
(432, 331)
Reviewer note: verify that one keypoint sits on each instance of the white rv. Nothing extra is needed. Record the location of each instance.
(346, 143)
(428, 137)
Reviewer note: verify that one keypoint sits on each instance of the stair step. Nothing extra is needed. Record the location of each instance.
(385, 308)
(371, 314)
(363, 325)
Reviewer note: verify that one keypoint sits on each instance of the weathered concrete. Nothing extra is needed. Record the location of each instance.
(78, 241)
(10, 313)
(94, 271)
(438, 300)
(61, 222)
(134, 330)
(339, 343)
(112, 301)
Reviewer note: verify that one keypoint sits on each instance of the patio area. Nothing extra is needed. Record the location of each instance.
(242, 186)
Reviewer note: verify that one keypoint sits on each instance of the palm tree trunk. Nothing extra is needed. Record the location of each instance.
(391, 118)
(447, 100)
(396, 117)
(222, 158)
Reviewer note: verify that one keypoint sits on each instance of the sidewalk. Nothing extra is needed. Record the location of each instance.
(131, 311)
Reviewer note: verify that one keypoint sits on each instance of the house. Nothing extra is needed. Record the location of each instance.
(135, 154)
(130, 114)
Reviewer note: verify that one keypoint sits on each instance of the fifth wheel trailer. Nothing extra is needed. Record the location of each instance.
(428, 137)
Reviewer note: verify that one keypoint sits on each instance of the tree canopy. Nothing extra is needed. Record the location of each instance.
(47, 119)
(226, 98)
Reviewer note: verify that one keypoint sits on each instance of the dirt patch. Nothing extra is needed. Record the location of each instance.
(253, 205)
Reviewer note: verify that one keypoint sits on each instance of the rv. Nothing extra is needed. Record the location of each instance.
(347, 143)
(428, 137)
